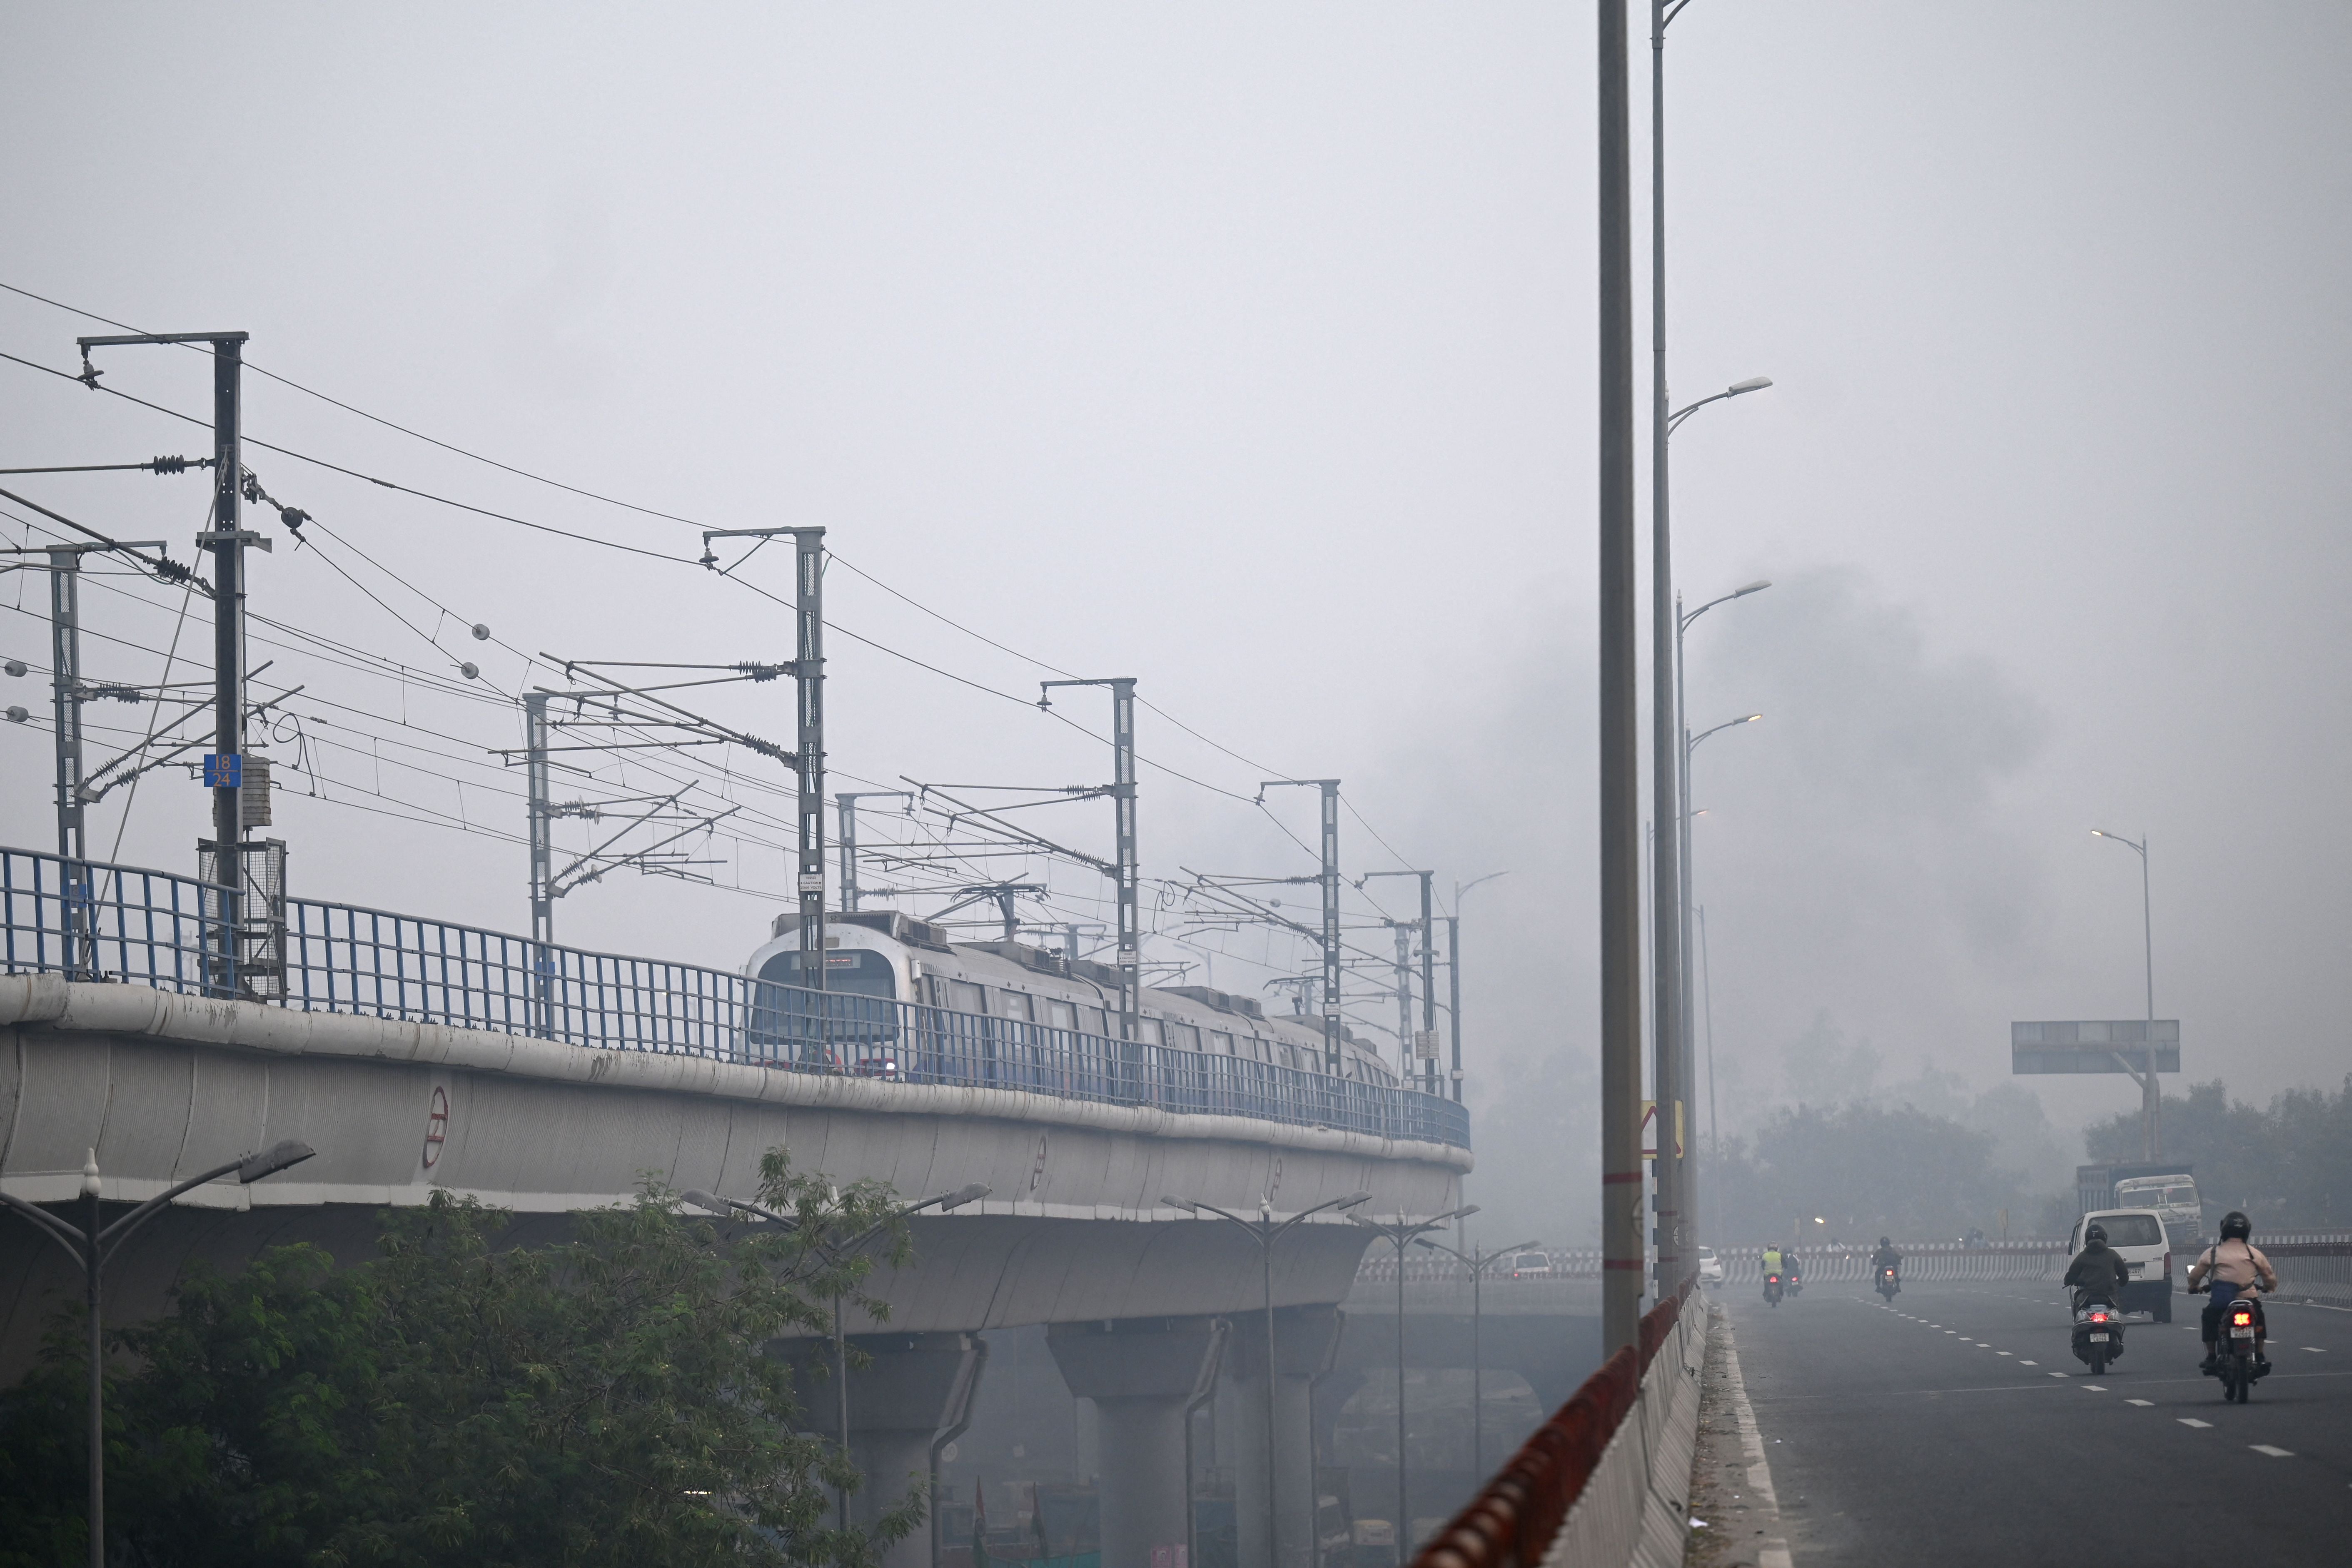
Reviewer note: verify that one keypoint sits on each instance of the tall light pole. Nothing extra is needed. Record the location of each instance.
(1477, 1263)
(2151, 1101)
(92, 1248)
(1266, 1231)
(1402, 1232)
(945, 1201)
(1454, 972)
(1681, 889)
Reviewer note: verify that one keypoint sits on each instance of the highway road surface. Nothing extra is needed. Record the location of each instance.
(1955, 1426)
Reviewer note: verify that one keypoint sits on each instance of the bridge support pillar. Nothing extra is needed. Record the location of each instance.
(1305, 1339)
(1141, 1372)
(912, 1386)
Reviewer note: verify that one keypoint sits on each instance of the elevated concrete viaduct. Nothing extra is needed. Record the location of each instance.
(161, 1084)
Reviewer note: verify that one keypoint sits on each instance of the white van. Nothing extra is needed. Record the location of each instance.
(2138, 1236)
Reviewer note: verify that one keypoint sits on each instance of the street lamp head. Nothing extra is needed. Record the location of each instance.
(1758, 587)
(963, 1195)
(1465, 1212)
(1753, 383)
(1352, 1199)
(695, 1197)
(277, 1157)
(1171, 1201)
(90, 1176)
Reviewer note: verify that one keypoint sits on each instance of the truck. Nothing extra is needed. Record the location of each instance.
(2167, 1186)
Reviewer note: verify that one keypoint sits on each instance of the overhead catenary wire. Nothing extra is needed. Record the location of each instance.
(405, 673)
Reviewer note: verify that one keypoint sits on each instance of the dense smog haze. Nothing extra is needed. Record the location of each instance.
(1236, 351)
(1248, 351)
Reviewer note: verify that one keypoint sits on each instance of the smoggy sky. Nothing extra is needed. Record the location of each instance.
(1248, 349)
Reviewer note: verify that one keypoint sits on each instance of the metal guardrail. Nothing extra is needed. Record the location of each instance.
(140, 927)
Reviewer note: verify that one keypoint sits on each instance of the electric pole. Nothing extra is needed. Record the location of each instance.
(1420, 1046)
(1126, 871)
(225, 769)
(845, 807)
(1329, 879)
(77, 890)
(808, 680)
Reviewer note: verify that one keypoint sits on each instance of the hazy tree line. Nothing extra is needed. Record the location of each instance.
(2289, 1166)
(606, 1400)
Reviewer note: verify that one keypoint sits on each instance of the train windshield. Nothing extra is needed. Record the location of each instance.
(852, 973)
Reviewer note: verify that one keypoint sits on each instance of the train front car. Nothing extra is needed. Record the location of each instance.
(903, 999)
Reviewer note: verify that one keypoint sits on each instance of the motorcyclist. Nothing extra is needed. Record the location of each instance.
(1796, 1269)
(2231, 1267)
(1887, 1257)
(1775, 1260)
(2098, 1271)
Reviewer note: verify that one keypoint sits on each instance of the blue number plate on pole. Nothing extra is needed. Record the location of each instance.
(223, 769)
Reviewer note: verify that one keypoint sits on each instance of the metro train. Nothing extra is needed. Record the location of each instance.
(893, 957)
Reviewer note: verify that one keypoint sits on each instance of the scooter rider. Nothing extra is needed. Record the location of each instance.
(1887, 1257)
(2098, 1271)
(1774, 1261)
(2233, 1266)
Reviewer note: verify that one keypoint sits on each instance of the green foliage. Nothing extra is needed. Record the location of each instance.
(604, 1401)
(2289, 1166)
(1866, 1169)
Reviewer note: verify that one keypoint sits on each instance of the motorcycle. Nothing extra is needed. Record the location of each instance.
(2099, 1334)
(1888, 1285)
(1796, 1283)
(2241, 1364)
(1772, 1288)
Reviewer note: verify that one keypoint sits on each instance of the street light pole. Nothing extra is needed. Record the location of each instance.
(2151, 1101)
(1477, 1263)
(1403, 1233)
(1453, 971)
(946, 1202)
(92, 1248)
(1682, 892)
(1266, 1232)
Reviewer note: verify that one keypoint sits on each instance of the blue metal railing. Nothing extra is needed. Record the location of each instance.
(152, 928)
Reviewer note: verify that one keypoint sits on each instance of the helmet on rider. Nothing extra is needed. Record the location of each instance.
(2236, 1227)
(1884, 1242)
(2097, 1233)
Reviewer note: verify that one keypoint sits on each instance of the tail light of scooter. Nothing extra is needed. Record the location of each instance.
(2098, 1317)
(2243, 1317)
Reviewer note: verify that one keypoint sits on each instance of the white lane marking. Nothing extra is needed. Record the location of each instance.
(2029, 1363)
(1773, 1552)
(2143, 1403)
(2273, 1453)
(2095, 1388)
(2316, 1349)
(2011, 1353)
(2192, 1421)
(2062, 1375)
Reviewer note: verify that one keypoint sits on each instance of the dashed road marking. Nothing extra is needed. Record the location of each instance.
(2192, 1421)
(2273, 1453)
(2029, 1363)
(2316, 1349)
(2010, 1352)
(2095, 1388)
(2143, 1403)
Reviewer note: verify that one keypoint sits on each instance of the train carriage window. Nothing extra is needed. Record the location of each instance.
(963, 996)
(1185, 1036)
(853, 972)
(1221, 1043)
(1095, 1021)
(1148, 1030)
(1061, 1014)
(1014, 1004)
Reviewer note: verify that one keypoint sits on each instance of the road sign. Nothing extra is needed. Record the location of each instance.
(2094, 1045)
(1649, 1135)
(223, 769)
